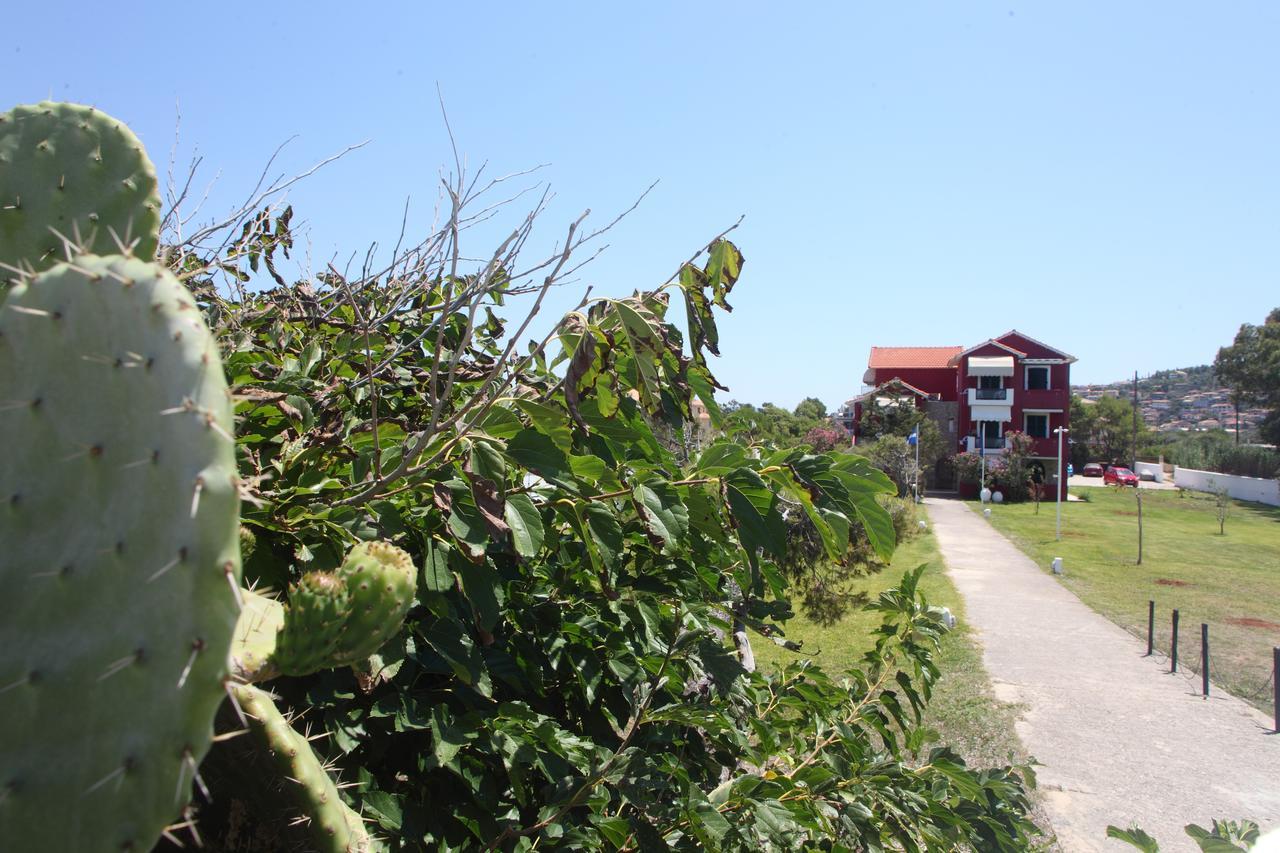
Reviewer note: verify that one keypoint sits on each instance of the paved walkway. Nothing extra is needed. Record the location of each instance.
(1121, 740)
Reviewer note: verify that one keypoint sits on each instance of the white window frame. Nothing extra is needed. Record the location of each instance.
(1026, 377)
(1048, 430)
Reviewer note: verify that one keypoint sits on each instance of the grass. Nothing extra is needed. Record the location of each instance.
(1231, 582)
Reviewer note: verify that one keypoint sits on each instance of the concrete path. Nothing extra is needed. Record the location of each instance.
(1121, 740)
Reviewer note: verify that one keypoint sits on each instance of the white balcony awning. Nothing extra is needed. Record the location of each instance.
(993, 365)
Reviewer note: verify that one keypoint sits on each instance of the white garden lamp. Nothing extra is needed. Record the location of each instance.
(1061, 431)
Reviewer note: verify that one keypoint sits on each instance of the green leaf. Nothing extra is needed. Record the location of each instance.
(1222, 838)
(483, 588)
(501, 422)
(487, 461)
(466, 523)
(535, 451)
(589, 468)
(605, 531)
(436, 575)
(551, 422)
(720, 458)
(701, 383)
(662, 512)
(1134, 836)
(753, 507)
(526, 524)
(606, 397)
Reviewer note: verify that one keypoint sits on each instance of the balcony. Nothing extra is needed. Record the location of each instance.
(990, 404)
(999, 396)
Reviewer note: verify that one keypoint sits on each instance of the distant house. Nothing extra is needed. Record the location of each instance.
(976, 395)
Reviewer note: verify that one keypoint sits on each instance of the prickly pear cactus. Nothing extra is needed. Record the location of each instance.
(254, 643)
(78, 171)
(313, 625)
(381, 581)
(332, 619)
(120, 564)
(334, 827)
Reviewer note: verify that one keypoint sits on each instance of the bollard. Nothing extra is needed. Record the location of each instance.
(1173, 651)
(1204, 657)
(1151, 625)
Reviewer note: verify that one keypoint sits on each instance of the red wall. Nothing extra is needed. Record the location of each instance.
(934, 380)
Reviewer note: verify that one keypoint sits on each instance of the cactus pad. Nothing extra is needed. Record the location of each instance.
(77, 170)
(313, 624)
(334, 827)
(119, 518)
(254, 643)
(382, 581)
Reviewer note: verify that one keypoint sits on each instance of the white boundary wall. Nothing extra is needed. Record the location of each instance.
(1154, 468)
(1240, 488)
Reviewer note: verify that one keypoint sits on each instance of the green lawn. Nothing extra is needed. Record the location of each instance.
(1231, 582)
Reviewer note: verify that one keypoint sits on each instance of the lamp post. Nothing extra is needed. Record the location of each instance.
(1061, 431)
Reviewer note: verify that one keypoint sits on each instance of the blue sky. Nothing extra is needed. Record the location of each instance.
(1101, 176)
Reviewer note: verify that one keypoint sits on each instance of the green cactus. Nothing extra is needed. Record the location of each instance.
(72, 170)
(334, 827)
(254, 642)
(381, 580)
(332, 619)
(120, 563)
(314, 621)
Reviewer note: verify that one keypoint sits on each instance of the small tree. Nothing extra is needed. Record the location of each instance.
(1223, 501)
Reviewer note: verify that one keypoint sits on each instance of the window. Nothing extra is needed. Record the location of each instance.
(989, 382)
(1038, 378)
(1037, 426)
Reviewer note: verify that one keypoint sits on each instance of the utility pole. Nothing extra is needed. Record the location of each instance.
(1134, 466)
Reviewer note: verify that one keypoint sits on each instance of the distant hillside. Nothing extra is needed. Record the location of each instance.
(1189, 398)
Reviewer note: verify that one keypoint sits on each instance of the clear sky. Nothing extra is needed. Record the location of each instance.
(1101, 176)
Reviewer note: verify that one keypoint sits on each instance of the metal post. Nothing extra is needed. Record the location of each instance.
(1173, 652)
(1151, 625)
(982, 458)
(1061, 485)
(1204, 657)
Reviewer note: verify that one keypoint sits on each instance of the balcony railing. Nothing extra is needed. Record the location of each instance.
(989, 442)
(991, 394)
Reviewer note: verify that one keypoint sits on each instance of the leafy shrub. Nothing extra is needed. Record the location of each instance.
(905, 516)
(1217, 452)
(577, 669)
(968, 467)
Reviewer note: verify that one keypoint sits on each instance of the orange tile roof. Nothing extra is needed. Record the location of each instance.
(926, 357)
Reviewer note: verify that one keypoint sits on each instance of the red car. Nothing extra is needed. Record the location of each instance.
(1093, 469)
(1116, 476)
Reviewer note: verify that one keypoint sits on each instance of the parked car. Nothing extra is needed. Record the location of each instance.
(1092, 469)
(1117, 476)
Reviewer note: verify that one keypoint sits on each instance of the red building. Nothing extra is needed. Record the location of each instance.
(976, 395)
